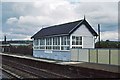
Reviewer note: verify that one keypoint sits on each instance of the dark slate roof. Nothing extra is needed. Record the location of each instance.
(63, 29)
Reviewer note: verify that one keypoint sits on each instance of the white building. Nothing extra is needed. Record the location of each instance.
(56, 42)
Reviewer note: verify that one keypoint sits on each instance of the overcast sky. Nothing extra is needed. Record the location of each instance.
(21, 20)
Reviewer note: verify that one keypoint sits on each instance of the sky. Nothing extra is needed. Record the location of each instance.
(21, 20)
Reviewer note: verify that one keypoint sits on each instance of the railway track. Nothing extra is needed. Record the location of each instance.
(59, 70)
(42, 69)
(9, 75)
(39, 73)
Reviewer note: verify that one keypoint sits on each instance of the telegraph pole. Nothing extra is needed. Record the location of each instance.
(5, 39)
(99, 34)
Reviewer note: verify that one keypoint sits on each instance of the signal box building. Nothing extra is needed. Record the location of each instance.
(56, 42)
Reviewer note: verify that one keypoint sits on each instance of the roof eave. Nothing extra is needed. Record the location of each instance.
(50, 36)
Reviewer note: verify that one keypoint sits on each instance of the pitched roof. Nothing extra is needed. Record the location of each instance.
(63, 29)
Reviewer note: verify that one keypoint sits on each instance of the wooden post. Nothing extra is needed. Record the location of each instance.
(89, 54)
(97, 55)
(78, 55)
(109, 56)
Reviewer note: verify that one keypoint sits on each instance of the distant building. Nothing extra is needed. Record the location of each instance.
(55, 42)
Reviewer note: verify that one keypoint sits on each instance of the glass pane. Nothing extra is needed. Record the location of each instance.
(42, 41)
(42, 47)
(77, 38)
(65, 48)
(73, 42)
(73, 37)
(58, 41)
(36, 42)
(56, 47)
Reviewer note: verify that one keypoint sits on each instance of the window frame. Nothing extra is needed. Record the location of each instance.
(76, 41)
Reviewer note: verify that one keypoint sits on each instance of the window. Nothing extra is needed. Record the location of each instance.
(53, 43)
(76, 47)
(36, 47)
(42, 47)
(48, 41)
(56, 43)
(73, 40)
(65, 48)
(56, 47)
(42, 41)
(36, 42)
(56, 40)
(76, 40)
(48, 47)
(65, 43)
(65, 40)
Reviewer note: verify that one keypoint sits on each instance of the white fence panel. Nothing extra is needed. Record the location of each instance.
(83, 55)
(74, 54)
(114, 57)
(93, 55)
(103, 56)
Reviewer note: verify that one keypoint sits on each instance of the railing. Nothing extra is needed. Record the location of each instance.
(103, 56)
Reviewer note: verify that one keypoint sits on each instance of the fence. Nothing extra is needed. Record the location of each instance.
(103, 56)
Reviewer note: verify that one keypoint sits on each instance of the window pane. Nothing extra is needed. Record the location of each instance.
(58, 41)
(42, 41)
(65, 40)
(36, 42)
(42, 47)
(61, 40)
(73, 40)
(68, 40)
(56, 47)
(73, 37)
(48, 41)
(55, 41)
(76, 40)
(48, 47)
(77, 43)
(76, 47)
(65, 48)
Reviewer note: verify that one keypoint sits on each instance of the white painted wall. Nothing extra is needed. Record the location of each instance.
(87, 37)
(88, 42)
(82, 31)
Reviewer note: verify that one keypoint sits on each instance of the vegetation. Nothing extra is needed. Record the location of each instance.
(25, 50)
(108, 44)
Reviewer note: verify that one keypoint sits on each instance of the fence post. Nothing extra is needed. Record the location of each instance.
(78, 55)
(89, 54)
(109, 56)
(97, 55)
